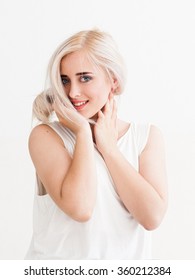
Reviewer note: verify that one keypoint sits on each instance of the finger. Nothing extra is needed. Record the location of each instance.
(100, 115)
(114, 111)
(106, 109)
(111, 103)
(65, 114)
(111, 94)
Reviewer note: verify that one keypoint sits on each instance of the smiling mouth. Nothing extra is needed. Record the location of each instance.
(78, 105)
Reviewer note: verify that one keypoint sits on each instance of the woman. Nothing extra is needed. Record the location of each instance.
(101, 182)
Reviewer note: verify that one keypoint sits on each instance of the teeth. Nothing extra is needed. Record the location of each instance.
(80, 103)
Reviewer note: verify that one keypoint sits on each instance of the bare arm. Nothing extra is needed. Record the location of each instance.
(143, 193)
(71, 182)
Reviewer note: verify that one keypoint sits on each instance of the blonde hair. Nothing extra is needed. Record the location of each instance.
(100, 49)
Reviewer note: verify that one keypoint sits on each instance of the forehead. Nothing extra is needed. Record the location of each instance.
(78, 61)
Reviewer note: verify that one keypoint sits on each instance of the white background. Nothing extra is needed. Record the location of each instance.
(157, 40)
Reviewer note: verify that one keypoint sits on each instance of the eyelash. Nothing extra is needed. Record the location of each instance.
(86, 78)
(64, 81)
(89, 78)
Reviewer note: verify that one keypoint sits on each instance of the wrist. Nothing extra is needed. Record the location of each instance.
(110, 152)
(84, 131)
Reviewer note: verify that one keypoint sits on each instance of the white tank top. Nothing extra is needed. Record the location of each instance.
(111, 233)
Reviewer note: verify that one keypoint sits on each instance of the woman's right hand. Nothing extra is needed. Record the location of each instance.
(71, 118)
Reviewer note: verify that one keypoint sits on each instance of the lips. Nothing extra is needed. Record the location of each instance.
(79, 104)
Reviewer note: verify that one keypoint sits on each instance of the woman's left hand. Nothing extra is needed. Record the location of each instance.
(105, 129)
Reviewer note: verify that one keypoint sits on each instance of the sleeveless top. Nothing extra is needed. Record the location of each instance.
(111, 233)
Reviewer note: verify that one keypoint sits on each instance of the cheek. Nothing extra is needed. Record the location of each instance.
(101, 93)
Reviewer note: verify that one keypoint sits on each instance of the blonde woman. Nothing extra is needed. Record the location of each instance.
(101, 182)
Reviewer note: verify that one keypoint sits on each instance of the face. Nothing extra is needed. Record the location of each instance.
(86, 86)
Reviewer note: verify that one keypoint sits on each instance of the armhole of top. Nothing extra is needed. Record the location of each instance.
(143, 131)
(56, 128)
(62, 134)
(40, 191)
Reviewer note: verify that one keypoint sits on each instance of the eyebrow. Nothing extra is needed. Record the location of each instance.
(78, 74)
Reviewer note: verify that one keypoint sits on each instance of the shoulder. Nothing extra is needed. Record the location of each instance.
(155, 136)
(155, 139)
(155, 130)
(39, 129)
(146, 135)
(43, 133)
(123, 127)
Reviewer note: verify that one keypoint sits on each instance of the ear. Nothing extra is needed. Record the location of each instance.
(114, 85)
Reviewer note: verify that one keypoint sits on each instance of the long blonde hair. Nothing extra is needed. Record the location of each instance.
(100, 49)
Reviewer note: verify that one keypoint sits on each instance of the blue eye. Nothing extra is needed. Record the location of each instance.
(65, 81)
(86, 79)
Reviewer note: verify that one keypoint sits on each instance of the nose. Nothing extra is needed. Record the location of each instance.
(74, 90)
